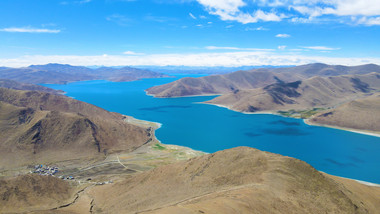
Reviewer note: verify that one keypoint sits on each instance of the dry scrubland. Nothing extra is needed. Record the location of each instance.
(239, 180)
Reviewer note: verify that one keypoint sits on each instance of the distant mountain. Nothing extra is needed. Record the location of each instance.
(360, 114)
(320, 69)
(315, 92)
(238, 180)
(198, 69)
(61, 74)
(40, 127)
(241, 80)
(5, 83)
(218, 84)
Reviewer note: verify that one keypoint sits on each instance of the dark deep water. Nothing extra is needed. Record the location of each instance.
(210, 128)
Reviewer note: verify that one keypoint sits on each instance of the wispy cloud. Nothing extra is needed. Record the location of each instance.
(29, 30)
(83, 1)
(282, 35)
(160, 19)
(321, 48)
(119, 19)
(75, 2)
(245, 58)
(281, 47)
(256, 29)
(192, 16)
(132, 53)
(236, 48)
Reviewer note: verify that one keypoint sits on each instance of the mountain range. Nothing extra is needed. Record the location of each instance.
(61, 74)
(256, 78)
(315, 92)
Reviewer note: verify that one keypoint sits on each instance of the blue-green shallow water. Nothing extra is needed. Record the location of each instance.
(210, 128)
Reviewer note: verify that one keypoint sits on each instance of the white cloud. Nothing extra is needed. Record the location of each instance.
(321, 48)
(228, 10)
(132, 53)
(246, 58)
(300, 11)
(192, 16)
(29, 30)
(282, 35)
(369, 21)
(281, 47)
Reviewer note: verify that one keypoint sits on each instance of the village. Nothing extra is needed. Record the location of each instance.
(49, 171)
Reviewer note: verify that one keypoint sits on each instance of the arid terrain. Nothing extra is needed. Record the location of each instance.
(359, 114)
(239, 180)
(315, 92)
(41, 127)
(257, 78)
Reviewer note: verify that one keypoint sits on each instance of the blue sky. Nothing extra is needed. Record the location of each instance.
(189, 32)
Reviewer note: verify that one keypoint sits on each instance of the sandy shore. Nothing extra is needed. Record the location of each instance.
(365, 132)
(200, 95)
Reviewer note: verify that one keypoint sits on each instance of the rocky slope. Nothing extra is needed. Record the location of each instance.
(61, 74)
(38, 127)
(363, 114)
(239, 180)
(33, 192)
(242, 80)
(321, 92)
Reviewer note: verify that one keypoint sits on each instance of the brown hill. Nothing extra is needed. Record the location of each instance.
(239, 180)
(320, 69)
(33, 192)
(321, 92)
(5, 83)
(242, 80)
(218, 84)
(363, 114)
(61, 74)
(39, 127)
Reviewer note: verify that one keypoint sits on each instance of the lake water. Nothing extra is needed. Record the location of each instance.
(209, 128)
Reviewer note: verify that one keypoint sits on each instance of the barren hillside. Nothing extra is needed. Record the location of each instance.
(361, 114)
(239, 180)
(242, 80)
(37, 126)
(316, 92)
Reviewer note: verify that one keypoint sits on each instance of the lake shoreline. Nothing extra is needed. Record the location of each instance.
(358, 131)
(306, 121)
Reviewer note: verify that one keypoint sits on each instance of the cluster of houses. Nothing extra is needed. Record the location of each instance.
(49, 170)
(45, 170)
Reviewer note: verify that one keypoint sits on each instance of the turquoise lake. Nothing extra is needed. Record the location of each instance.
(209, 128)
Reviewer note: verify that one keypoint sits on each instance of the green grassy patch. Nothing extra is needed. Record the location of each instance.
(304, 114)
(158, 147)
